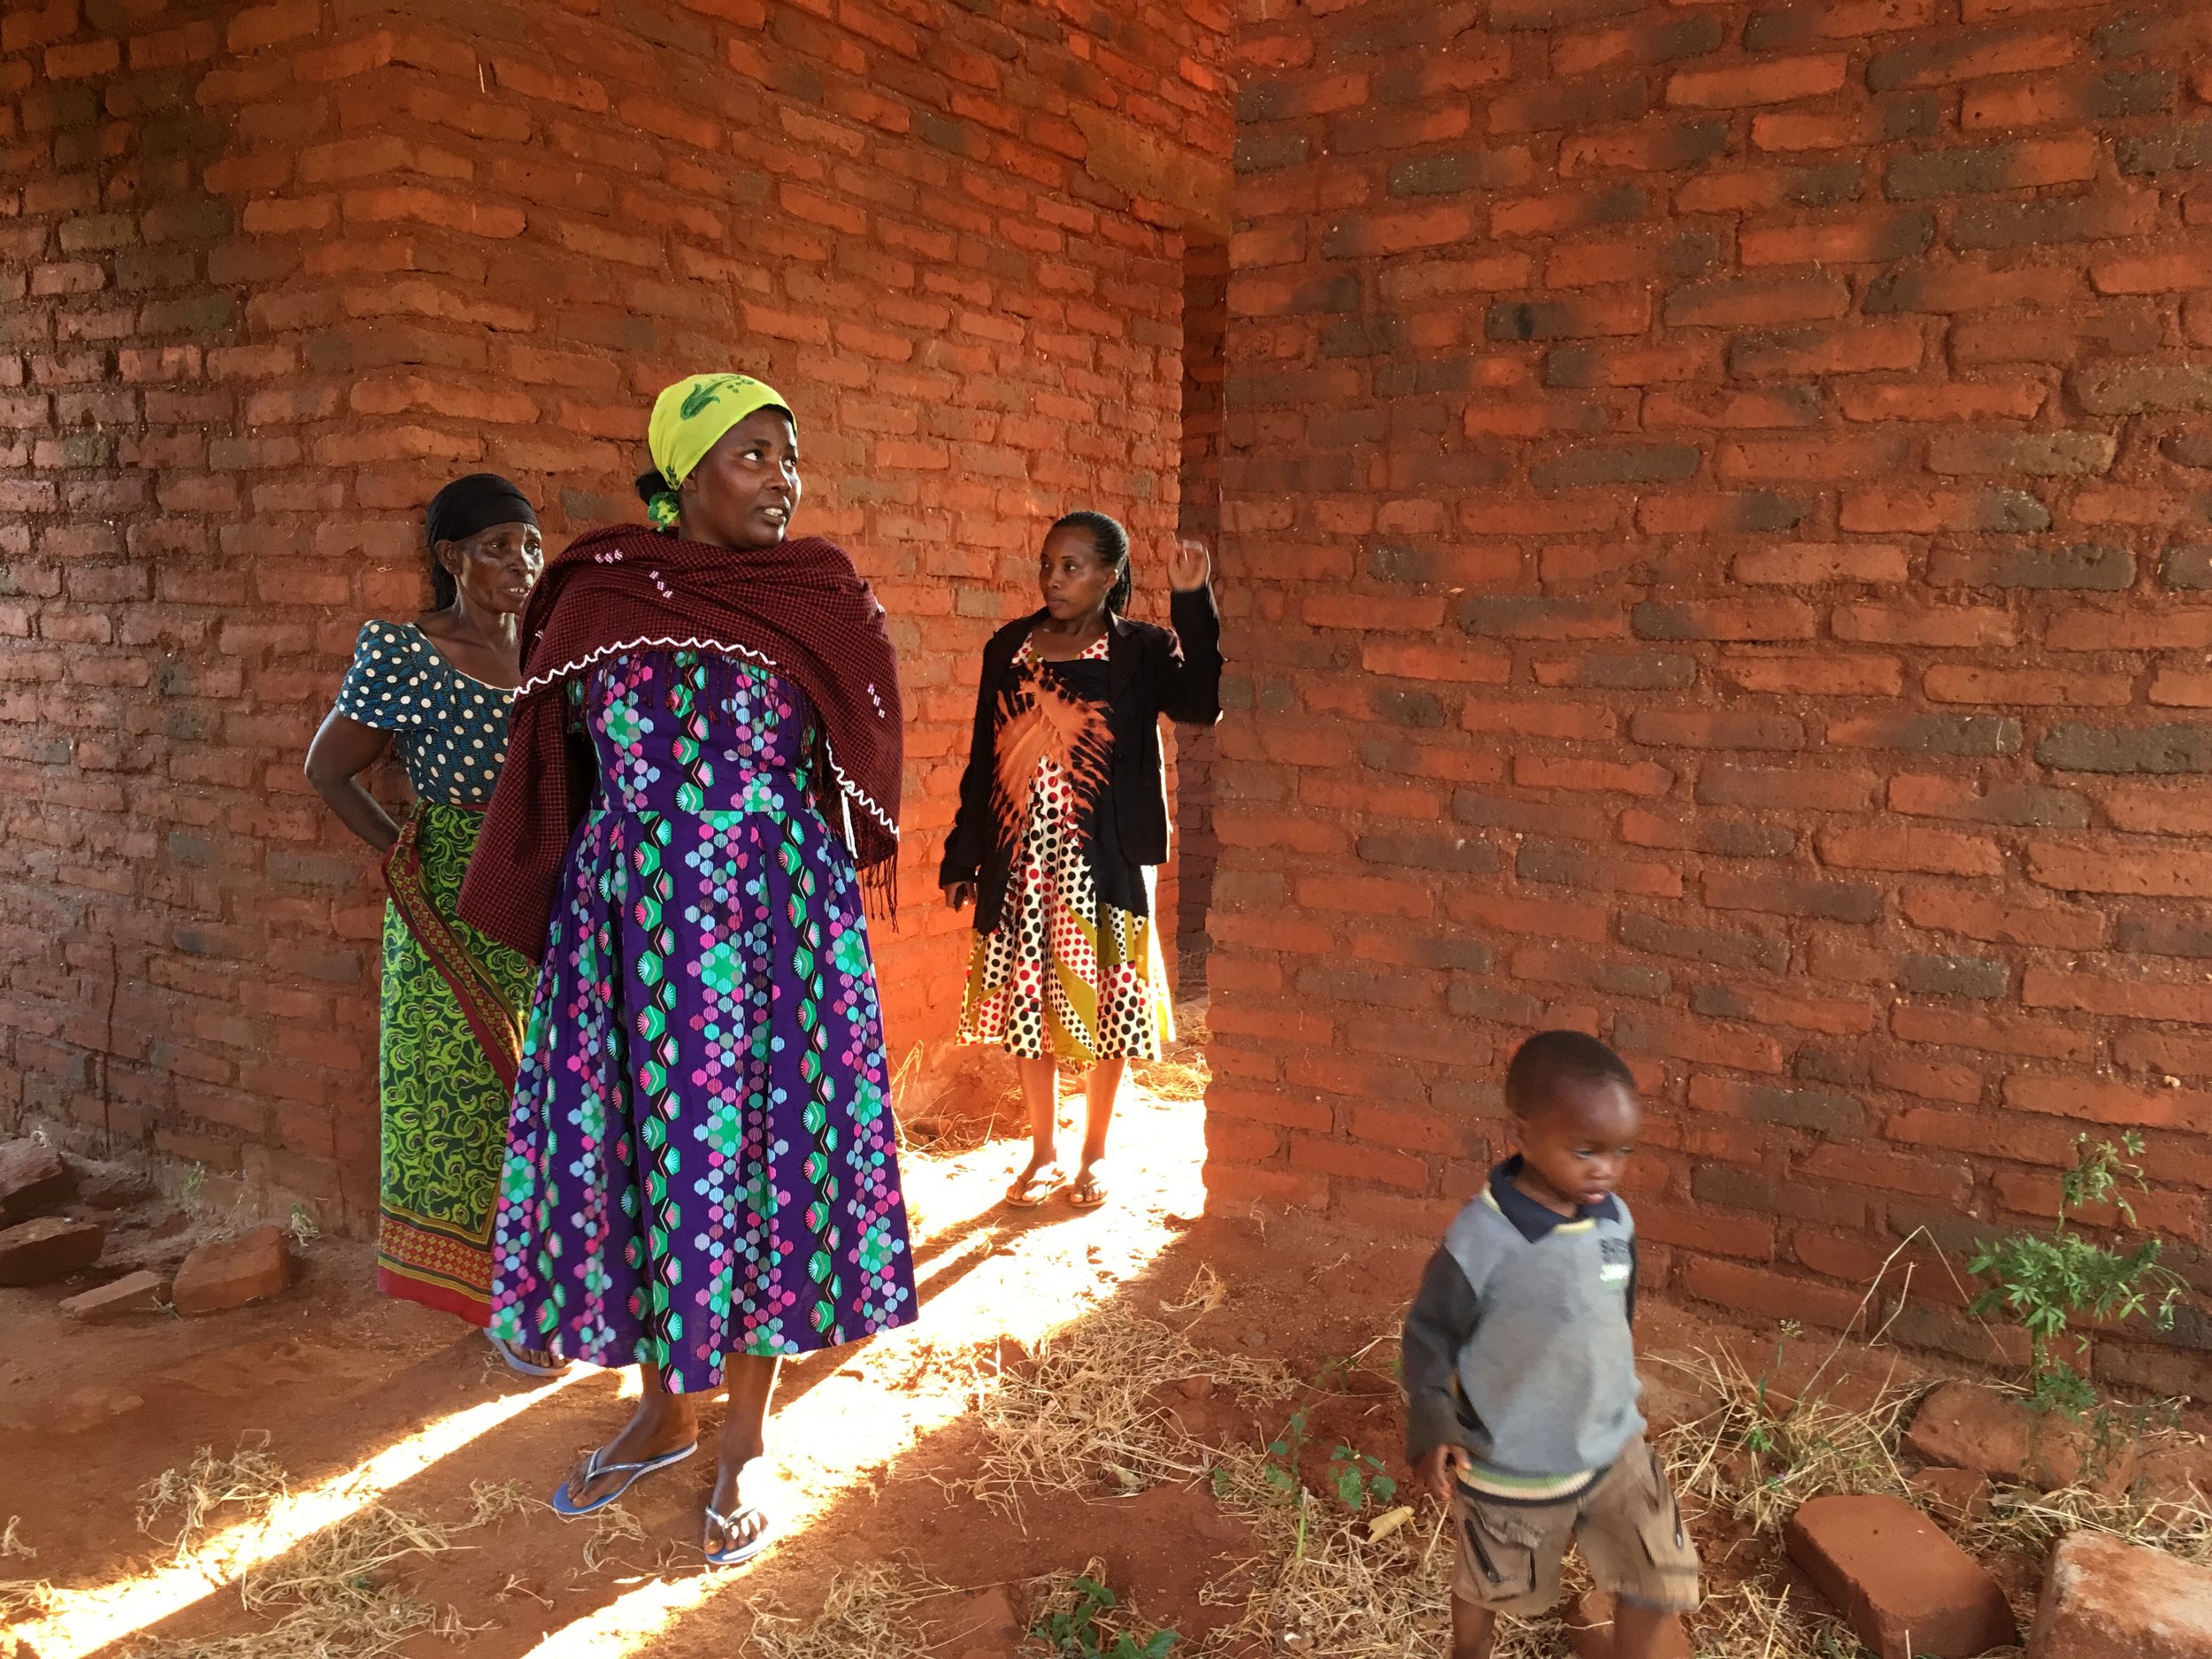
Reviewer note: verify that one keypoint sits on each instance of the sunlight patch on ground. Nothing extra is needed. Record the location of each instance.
(86, 1620)
(1000, 1275)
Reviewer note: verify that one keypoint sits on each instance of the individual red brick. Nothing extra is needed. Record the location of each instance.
(1804, 563)
(1908, 847)
(2179, 810)
(1865, 239)
(48, 1247)
(1645, 1031)
(2092, 868)
(1696, 729)
(1725, 1235)
(1905, 1588)
(1557, 719)
(1779, 407)
(1821, 676)
(1897, 343)
(1642, 778)
(2146, 273)
(1952, 401)
(2107, 1103)
(1954, 627)
(1930, 1080)
(2104, 1598)
(143, 1292)
(2177, 689)
(1769, 1295)
(1958, 683)
(2129, 999)
(33, 1179)
(1775, 1007)
(1950, 1181)
(1772, 80)
(1312, 1155)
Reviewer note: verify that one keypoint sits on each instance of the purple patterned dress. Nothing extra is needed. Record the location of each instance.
(701, 1158)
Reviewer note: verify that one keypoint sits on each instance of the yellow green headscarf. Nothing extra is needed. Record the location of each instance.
(689, 419)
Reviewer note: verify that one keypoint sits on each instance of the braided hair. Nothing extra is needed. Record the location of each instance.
(1111, 544)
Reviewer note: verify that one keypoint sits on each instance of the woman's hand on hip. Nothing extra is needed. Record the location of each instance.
(1190, 566)
(960, 894)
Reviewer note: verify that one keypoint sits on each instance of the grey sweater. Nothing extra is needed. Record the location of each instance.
(1518, 1344)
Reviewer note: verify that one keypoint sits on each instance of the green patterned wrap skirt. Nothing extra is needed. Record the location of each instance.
(449, 1041)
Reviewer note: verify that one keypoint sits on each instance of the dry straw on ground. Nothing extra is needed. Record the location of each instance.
(2028, 1521)
(246, 1484)
(1076, 1415)
(335, 1595)
(872, 1612)
(1758, 1454)
(1321, 1582)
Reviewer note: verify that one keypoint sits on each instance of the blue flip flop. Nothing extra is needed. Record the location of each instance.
(511, 1352)
(728, 1524)
(562, 1504)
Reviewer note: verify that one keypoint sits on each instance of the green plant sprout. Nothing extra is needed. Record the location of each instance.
(1358, 1477)
(1075, 1634)
(2048, 1281)
(1280, 1470)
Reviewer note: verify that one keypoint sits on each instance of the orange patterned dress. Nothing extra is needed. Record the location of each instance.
(1064, 973)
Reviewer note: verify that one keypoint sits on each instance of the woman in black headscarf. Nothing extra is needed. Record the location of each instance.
(439, 690)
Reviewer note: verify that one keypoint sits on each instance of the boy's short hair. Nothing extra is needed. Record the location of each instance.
(1551, 1058)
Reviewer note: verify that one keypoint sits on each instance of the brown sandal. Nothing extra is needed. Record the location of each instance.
(1088, 1191)
(1031, 1191)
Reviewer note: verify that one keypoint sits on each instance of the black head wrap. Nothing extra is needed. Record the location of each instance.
(463, 508)
(472, 504)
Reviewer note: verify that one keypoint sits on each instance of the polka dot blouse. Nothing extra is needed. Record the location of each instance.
(450, 731)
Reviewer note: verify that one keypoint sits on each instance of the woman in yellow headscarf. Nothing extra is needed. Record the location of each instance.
(702, 1170)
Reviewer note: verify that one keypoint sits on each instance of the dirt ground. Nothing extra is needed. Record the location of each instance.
(362, 1401)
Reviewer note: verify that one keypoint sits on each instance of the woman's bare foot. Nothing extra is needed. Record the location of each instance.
(736, 1520)
(1088, 1191)
(1040, 1177)
(662, 1424)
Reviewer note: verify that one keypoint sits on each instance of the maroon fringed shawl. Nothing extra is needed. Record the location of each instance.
(798, 607)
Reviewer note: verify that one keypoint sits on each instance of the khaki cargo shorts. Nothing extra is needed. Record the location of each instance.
(1627, 1526)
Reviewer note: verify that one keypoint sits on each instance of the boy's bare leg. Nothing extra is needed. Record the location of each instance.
(1474, 1630)
(1637, 1629)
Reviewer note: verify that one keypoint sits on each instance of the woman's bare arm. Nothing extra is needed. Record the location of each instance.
(343, 750)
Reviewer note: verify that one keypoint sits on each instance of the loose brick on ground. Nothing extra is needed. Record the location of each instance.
(1904, 1587)
(2105, 1599)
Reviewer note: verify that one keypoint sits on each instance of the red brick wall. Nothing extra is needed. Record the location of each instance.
(1205, 323)
(1716, 507)
(274, 272)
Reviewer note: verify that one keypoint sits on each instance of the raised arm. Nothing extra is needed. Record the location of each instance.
(1190, 687)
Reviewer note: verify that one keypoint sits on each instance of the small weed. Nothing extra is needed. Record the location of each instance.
(2047, 1281)
(1284, 1452)
(1358, 1479)
(1075, 1633)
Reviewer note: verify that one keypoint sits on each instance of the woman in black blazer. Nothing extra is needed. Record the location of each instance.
(1063, 812)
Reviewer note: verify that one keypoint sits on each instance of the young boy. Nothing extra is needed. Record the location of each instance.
(1520, 1373)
